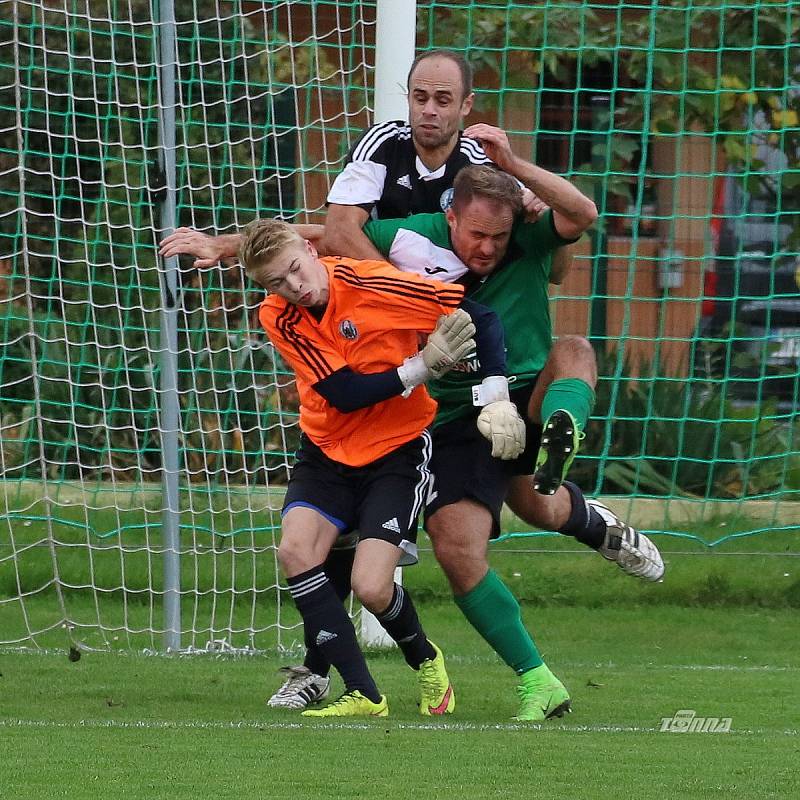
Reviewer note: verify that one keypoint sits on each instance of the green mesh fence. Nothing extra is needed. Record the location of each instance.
(679, 118)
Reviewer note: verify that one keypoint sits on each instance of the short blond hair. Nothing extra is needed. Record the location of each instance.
(263, 240)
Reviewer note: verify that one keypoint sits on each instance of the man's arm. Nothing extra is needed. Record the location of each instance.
(449, 342)
(357, 188)
(573, 212)
(562, 263)
(315, 234)
(209, 250)
(343, 234)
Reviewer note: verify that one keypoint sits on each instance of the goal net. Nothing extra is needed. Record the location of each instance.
(268, 100)
(680, 119)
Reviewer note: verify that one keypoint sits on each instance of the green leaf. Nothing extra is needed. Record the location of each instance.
(663, 125)
(624, 147)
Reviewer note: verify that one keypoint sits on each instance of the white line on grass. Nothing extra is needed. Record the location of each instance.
(649, 666)
(455, 658)
(149, 724)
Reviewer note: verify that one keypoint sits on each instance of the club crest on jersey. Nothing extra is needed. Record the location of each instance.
(348, 330)
(446, 200)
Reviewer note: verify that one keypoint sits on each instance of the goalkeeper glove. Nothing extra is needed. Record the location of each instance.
(499, 421)
(449, 342)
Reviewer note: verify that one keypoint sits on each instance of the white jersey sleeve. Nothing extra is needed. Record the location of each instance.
(414, 252)
(359, 183)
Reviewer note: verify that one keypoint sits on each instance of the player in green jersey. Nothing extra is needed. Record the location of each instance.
(506, 263)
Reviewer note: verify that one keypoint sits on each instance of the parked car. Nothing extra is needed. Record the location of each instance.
(749, 333)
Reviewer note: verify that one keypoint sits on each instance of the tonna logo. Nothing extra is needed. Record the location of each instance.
(348, 330)
(687, 721)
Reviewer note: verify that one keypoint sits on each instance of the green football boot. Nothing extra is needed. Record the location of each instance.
(542, 696)
(561, 438)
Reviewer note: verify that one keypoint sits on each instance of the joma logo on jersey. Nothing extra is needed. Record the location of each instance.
(348, 330)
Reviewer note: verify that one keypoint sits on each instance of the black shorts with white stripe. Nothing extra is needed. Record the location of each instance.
(381, 500)
(464, 469)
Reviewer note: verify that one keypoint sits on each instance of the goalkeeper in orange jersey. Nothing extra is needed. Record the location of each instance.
(349, 330)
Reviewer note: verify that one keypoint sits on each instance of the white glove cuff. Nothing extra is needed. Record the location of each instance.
(490, 391)
(413, 372)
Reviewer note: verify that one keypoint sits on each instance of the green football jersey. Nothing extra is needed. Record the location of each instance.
(517, 290)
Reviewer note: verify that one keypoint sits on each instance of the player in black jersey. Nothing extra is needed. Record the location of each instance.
(396, 169)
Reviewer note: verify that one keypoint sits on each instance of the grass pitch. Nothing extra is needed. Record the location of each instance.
(719, 637)
(194, 727)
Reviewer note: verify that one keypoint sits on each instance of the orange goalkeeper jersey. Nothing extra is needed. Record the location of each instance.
(370, 324)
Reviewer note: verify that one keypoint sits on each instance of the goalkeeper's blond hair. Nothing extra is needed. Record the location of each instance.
(263, 240)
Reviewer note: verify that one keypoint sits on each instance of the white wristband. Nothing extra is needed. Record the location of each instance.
(490, 390)
(413, 372)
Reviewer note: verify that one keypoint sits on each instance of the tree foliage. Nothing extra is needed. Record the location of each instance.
(82, 294)
(679, 67)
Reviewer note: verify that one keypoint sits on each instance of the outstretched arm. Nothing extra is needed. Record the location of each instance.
(209, 250)
(573, 212)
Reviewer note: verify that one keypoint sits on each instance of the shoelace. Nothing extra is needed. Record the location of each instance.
(345, 699)
(429, 678)
(295, 679)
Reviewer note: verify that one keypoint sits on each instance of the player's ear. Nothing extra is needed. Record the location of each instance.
(450, 216)
(466, 104)
(311, 249)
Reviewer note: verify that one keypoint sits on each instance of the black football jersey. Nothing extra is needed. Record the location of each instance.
(384, 175)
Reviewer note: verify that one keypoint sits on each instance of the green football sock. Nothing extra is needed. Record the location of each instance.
(494, 612)
(570, 394)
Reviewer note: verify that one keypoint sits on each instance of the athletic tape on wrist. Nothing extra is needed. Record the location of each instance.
(490, 390)
(413, 372)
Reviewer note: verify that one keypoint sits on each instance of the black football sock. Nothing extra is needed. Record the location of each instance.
(584, 523)
(400, 621)
(329, 627)
(338, 567)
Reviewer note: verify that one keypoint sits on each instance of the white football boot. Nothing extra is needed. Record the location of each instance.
(633, 552)
(301, 689)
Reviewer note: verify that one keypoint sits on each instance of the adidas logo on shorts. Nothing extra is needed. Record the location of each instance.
(392, 525)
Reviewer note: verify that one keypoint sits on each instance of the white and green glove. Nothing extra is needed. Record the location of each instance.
(450, 341)
(499, 421)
